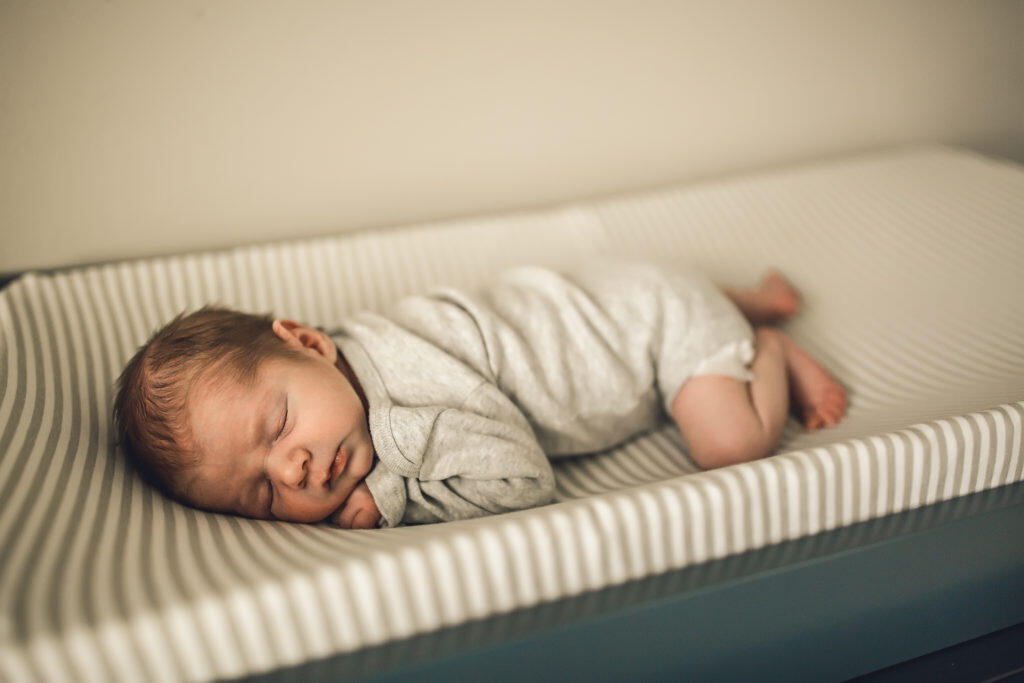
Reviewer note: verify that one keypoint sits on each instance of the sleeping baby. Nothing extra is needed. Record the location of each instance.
(451, 404)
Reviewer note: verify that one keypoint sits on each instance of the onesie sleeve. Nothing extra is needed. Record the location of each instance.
(478, 459)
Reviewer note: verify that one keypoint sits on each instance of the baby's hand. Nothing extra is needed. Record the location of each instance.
(359, 511)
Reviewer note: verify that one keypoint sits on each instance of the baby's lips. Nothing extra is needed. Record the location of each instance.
(340, 459)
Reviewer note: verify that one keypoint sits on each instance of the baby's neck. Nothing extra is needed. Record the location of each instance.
(346, 370)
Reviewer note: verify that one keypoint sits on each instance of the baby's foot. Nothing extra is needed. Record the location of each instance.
(779, 298)
(817, 396)
(770, 303)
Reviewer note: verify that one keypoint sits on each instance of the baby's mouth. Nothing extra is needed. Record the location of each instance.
(338, 465)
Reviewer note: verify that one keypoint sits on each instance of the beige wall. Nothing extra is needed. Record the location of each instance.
(135, 128)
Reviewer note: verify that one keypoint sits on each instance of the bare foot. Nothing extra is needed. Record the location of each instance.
(780, 297)
(771, 302)
(818, 398)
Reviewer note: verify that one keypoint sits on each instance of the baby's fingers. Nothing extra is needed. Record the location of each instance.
(335, 517)
(365, 519)
(346, 516)
(359, 511)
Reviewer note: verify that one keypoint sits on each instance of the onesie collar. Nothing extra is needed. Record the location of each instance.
(385, 478)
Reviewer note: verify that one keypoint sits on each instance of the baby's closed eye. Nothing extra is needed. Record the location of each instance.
(284, 421)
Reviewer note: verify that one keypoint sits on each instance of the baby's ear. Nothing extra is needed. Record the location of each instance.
(300, 336)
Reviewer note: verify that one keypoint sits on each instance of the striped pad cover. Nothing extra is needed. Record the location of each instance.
(909, 264)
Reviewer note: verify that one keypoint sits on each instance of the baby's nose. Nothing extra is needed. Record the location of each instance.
(294, 469)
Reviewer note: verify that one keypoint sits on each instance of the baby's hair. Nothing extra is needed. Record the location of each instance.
(150, 409)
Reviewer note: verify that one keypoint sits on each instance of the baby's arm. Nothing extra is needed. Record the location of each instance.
(481, 458)
(482, 470)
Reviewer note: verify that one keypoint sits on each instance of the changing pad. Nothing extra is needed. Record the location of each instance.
(909, 265)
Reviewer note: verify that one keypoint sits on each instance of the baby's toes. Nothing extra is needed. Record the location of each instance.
(836, 408)
(840, 395)
(822, 414)
(786, 298)
(841, 402)
(834, 396)
(813, 419)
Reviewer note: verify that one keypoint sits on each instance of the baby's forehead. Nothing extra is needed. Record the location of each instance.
(224, 404)
(228, 383)
(238, 376)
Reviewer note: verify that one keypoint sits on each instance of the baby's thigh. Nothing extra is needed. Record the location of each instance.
(714, 414)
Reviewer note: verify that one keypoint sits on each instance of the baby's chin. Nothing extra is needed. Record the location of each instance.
(311, 516)
(334, 516)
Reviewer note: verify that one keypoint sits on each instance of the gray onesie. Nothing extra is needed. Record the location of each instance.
(470, 392)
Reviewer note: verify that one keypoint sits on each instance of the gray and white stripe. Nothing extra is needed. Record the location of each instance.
(909, 263)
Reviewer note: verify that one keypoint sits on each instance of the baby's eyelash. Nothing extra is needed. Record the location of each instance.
(280, 431)
(270, 498)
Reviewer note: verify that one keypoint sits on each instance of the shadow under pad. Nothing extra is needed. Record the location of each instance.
(826, 607)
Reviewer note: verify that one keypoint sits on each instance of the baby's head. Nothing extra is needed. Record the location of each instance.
(241, 413)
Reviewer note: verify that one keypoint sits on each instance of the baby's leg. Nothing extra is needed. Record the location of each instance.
(817, 398)
(725, 420)
(772, 301)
